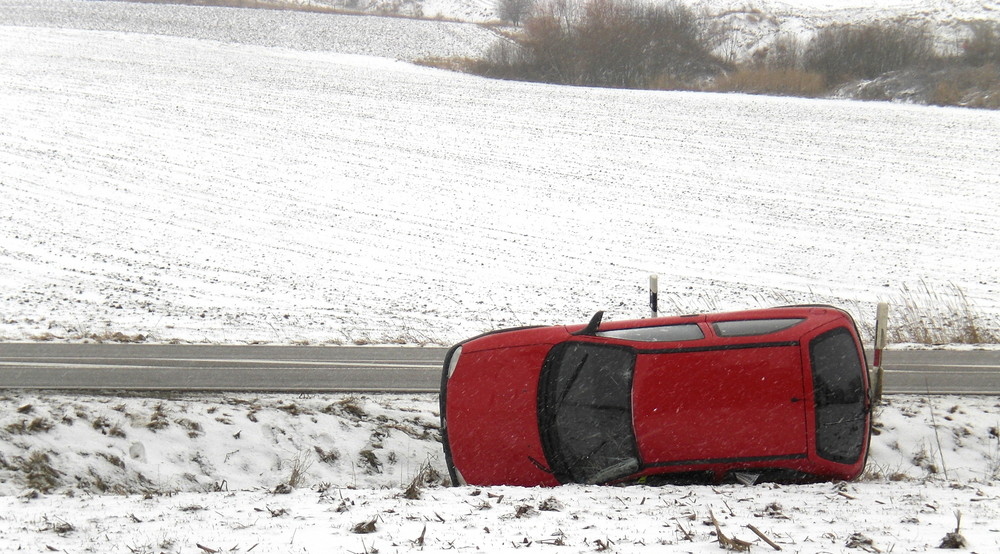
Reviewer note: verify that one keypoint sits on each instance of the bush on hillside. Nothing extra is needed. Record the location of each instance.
(514, 11)
(846, 52)
(973, 87)
(785, 53)
(613, 43)
(983, 47)
(607, 43)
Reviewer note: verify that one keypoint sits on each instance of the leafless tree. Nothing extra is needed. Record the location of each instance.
(514, 11)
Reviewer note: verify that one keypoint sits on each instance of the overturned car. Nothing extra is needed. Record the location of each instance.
(773, 394)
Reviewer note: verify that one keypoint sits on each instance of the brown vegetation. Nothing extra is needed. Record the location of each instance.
(615, 43)
(778, 82)
(608, 43)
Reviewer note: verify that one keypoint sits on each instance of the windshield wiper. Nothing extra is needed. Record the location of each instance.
(623, 468)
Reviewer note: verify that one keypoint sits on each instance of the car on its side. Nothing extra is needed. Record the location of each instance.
(776, 394)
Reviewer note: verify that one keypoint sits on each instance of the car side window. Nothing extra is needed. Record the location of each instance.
(753, 327)
(662, 333)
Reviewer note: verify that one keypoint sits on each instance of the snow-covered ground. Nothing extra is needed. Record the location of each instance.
(388, 37)
(209, 190)
(145, 474)
(208, 187)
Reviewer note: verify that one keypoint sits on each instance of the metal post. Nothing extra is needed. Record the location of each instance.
(653, 294)
(881, 322)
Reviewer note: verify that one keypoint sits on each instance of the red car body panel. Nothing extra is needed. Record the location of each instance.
(679, 415)
(714, 404)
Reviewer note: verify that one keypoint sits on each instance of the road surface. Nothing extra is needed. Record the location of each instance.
(103, 367)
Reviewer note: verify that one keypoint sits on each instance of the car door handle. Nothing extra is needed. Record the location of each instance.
(796, 399)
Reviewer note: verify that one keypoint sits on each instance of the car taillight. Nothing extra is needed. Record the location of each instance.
(453, 363)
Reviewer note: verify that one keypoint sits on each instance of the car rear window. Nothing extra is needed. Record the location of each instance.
(663, 333)
(839, 396)
(753, 327)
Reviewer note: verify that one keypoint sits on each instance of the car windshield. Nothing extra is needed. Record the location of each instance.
(585, 412)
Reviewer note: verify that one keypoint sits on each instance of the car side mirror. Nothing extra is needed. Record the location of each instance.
(591, 328)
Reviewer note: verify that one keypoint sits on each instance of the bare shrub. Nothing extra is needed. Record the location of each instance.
(946, 93)
(545, 54)
(983, 47)
(609, 43)
(514, 11)
(39, 473)
(845, 52)
(785, 53)
(974, 87)
(989, 100)
(625, 45)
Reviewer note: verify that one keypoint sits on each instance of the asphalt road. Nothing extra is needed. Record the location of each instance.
(217, 368)
(110, 367)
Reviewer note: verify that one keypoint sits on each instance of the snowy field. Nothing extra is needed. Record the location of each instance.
(387, 37)
(207, 190)
(212, 472)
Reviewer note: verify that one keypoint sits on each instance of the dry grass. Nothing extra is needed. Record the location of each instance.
(779, 82)
(973, 87)
(928, 316)
(993, 456)
(299, 467)
(158, 419)
(923, 314)
(25, 427)
(39, 473)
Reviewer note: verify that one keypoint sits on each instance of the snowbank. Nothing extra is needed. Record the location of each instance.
(166, 475)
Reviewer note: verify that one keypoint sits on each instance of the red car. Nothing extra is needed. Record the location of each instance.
(775, 394)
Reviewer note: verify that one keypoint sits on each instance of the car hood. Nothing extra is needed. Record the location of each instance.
(492, 416)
